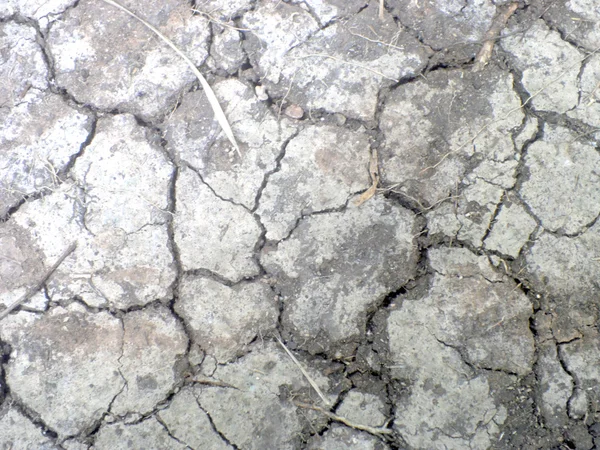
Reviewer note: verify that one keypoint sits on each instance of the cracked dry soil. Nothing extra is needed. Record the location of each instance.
(457, 308)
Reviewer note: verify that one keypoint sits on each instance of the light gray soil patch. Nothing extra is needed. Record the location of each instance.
(511, 229)
(339, 437)
(97, 65)
(314, 68)
(224, 320)
(224, 244)
(189, 423)
(203, 147)
(147, 434)
(328, 283)
(567, 208)
(153, 344)
(23, 68)
(448, 24)
(543, 56)
(327, 165)
(68, 369)
(403, 253)
(429, 125)
(18, 431)
(257, 384)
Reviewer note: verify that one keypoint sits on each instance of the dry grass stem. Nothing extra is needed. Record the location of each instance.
(212, 98)
(377, 431)
(304, 372)
(289, 89)
(375, 41)
(322, 55)
(31, 292)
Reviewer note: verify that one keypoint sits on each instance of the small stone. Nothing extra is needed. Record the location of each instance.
(294, 112)
(340, 119)
(261, 93)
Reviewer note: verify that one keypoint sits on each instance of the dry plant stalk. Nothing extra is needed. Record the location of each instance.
(304, 372)
(40, 283)
(373, 430)
(212, 98)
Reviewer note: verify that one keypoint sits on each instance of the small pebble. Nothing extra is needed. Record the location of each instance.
(340, 119)
(294, 112)
(261, 93)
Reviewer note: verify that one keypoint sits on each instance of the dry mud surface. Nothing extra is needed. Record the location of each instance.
(457, 308)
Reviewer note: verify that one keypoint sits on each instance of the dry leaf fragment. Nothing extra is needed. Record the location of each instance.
(374, 173)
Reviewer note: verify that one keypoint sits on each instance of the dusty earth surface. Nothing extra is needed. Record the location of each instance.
(457, 308)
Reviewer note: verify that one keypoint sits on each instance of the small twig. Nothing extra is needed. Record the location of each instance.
(485, 52)
(304, 372)
(209, 382)
(30, 293)
(212, 98)
(373, 430)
